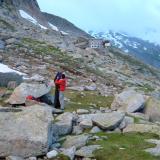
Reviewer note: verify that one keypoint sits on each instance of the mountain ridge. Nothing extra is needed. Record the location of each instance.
(142, 49)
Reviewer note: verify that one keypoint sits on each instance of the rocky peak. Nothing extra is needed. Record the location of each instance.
(64, 25)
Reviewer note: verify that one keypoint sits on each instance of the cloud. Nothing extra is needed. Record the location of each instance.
(132, 16)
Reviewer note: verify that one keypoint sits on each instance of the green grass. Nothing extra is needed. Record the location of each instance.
(86, 99)
(63, 60)
(124, 147)
(146, 88)
(4, 24)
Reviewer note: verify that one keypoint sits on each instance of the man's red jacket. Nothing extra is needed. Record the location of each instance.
(62, 84)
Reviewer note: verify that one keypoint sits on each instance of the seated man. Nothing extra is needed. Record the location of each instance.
(62, 86)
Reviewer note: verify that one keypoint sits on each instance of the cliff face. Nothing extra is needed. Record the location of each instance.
(65, 25)
(32, 8)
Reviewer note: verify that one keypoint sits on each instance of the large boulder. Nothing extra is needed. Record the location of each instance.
(143, 128)
(25, 132)
(63, 124)
(23, 90)
(129, 101)
(108, 121)
(5, 78)
(152, 109)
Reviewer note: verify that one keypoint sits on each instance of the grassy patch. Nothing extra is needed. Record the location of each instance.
(65, 61)
(4, 24)
(86, 99)
(124, 147)
(136, 119)
(146, 88)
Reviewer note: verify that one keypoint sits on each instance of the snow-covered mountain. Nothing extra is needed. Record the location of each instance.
(146, 51)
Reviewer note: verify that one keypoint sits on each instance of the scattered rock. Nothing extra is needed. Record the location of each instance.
(57, 111)
(32, 158)
(88, 159)
(76, 88)
(95, 138)
(77, 141)
(126, 121)
(140, 116)
(22, 91)
(143, 128)
(11, 41)
(14, 158)
(129, 101)
(64, 124)
(152, 109)
(87, 151)
(69, 152)
(129, 120)
(25, 132)
(85, 117)
(108, 121)
(95, 130)
(82, 111)
(52, 154)
(92, 87)
(31, 103)
(156, 150)
(86, 124)
(36, 78)
(77, 130)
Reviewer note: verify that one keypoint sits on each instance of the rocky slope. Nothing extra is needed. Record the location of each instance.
(108, 97)
(146, 51)
(64, 25)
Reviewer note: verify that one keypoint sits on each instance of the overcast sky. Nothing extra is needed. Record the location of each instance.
(135, 17)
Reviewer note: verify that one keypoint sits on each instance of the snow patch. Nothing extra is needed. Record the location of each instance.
(43, 27)
(27, 16)
(6, 69)
(145, 48)
(126, 50)
(123, 34)
(64, 33)
(135, 45)
(53, 27)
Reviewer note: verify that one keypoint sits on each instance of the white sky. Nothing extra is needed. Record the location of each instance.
(135, 17)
